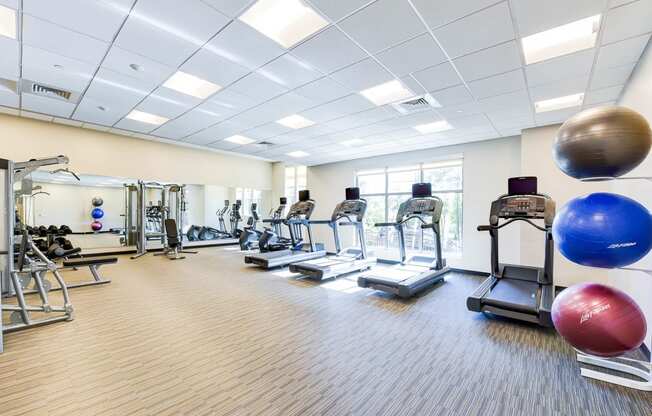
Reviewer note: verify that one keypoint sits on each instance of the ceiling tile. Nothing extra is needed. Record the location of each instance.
(555, 117)
(204, 63)
(337, 9)
(439, 12)
(329, 50)
(258, 87)
(397, 20)
(167, 33)
(98, 19)
(167, 103)
(323, 90)
(490, 61)
(240, 43)
(188, 123)
(38, 65)
(566, 66)
(13, 4)
(88, 111)
(362, 75)
(46, 105)
(460, 110)
(413, 85)
(9, 50)
(512, 100)
(603, 95)
(133, 125)
(438, 77)
(148, 71)
(608, 77)
(630, 20)
(498, 84)
(8, 98)
(350, 104)
(288, 104)
(290, 71)
(56, 39)
(214, 133)
(533, 16)
(113, 89)
(231, 8)
(227, 101)
(413, 55)
(620, 53)
(266, 131)
(480, 30)
(559, 88)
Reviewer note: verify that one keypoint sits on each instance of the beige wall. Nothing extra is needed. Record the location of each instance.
(99, 153)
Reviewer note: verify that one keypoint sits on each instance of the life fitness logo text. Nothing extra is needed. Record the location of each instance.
(621, 245)
(590, 314)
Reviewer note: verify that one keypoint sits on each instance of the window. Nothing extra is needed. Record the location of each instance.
(385, 189)
(248, 196)
(295, 181)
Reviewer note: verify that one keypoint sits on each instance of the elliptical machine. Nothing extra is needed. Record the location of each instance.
(250, 235)
(235, 219)
(197, 232)
(272, 239)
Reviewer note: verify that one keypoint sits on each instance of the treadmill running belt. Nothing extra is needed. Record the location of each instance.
(514, 294)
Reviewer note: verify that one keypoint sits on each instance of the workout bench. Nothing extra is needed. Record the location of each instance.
(94, 265)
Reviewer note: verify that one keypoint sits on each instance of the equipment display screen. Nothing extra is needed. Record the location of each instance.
(524, 185)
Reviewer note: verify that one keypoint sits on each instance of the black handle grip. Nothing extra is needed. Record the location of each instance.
(385, 224)
(484, 227)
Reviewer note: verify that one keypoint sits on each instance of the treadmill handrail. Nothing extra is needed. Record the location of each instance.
(411, 217)
(497, 227)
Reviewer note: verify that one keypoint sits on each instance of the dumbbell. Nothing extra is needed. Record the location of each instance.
(64, 230)
(56, 251)
(42, 231)
(53, 229)
(63, 242)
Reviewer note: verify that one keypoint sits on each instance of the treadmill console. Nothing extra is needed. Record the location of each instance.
(301, 210)
(350, 209)
(430, 206)
(523, 206)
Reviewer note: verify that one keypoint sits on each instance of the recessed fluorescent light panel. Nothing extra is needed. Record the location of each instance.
(352, 142)
(435, 127)
(298, 153)
(191, 85)
(238, 139)
(559, 103)
(295, 122)
(7, 22)
(148, 118)
(284, 21)
(389, 92)
(561, 40)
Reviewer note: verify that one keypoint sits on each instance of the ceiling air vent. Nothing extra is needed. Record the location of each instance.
(417, 104)
(31, 87)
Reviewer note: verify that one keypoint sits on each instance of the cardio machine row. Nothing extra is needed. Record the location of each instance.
(515, 291)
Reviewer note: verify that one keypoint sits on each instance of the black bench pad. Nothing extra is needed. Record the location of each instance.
(90, 262)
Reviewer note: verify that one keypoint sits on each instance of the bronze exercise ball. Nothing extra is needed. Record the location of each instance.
(602, 143)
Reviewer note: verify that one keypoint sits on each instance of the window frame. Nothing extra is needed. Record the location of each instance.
(421, 168)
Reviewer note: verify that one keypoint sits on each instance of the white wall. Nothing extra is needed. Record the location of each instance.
(487, 165)
(536, 160)
(638, 96)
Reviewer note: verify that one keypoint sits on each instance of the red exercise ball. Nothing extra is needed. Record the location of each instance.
(96, 225)
(599, 320)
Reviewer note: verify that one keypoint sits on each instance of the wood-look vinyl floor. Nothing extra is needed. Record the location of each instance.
(210, 336)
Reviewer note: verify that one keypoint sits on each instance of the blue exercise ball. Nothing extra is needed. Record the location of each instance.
(97, 213)
(603, 230)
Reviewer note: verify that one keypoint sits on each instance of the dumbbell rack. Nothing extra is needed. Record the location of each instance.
(638, 368)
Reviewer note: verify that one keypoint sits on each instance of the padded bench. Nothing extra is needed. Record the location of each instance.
(93, 265)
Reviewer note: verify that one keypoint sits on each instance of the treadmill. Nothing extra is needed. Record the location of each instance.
(349, 212)
(298, 216)
(520, 292)
(411, 276)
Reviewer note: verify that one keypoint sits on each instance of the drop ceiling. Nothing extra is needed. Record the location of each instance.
(117, 54)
